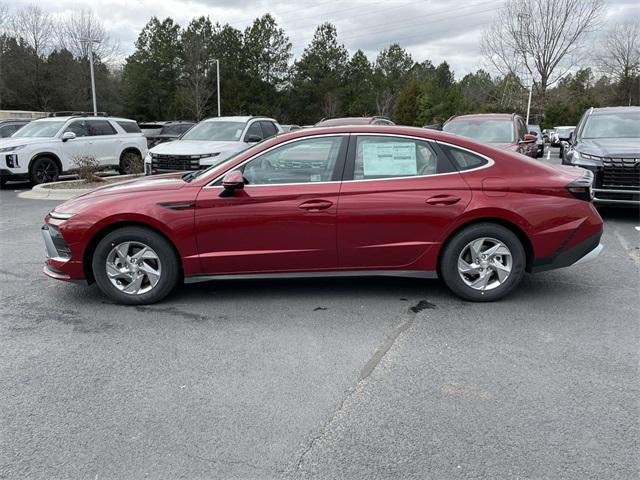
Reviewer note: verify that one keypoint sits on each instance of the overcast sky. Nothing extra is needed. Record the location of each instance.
(429, 29)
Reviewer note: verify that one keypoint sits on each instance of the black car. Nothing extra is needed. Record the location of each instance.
(607, 142)
(10, 126)
(535, 130)
(160, 132)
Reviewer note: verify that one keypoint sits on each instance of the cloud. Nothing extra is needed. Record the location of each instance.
(433, 30)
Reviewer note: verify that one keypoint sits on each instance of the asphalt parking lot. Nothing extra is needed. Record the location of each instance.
(367, 378)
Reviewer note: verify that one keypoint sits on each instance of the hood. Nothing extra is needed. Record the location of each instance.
(610, 147)
(171, 181)
(196, 147)
(14, 142)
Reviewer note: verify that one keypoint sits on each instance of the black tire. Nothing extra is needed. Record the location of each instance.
(170, 268)
(44, 170)
(131, 162)
(3, 182)
(456, 245)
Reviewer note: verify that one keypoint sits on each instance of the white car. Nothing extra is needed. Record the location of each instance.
(46, 148)
(209, 142)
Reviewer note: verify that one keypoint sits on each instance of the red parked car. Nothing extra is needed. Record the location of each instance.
(341, 201)
(503, 130)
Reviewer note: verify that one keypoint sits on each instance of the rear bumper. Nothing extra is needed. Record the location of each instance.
(582, 252)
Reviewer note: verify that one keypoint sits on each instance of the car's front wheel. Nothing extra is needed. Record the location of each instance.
(44, 170)
(135, 266)
(483, 262)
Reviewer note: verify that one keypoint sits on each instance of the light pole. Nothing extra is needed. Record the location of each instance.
(90, 42)
(218, 83)
(529, 103)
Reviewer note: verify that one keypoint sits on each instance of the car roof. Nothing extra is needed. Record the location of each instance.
(606, 110)
(85, 117)
(348, 121)
(484, 116)
(237, 119)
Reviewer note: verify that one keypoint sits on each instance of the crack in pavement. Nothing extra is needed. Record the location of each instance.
(367, 370)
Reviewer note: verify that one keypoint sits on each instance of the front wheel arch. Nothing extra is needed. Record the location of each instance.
(87, 257)
(524, 239)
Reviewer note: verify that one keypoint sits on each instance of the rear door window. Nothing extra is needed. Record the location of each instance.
(100, 127)
(381, 157)
(130, 127)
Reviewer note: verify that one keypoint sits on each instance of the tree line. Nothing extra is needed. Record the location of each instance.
(172, 73)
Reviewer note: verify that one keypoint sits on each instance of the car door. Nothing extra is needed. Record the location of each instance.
(106, 141)
(398, 197)
(283, 220)
(76, 148)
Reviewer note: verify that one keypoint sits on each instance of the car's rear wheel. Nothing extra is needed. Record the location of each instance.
(131, 163)
(44, 170)
(135, 265)
(483, 262)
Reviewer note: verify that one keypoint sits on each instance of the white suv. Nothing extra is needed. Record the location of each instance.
(46, 148)
(209, 142)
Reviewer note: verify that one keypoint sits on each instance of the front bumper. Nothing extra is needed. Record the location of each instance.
(60, 263)
(608, 196)
(9, 175)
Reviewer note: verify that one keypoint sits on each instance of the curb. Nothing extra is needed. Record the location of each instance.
(41, 192)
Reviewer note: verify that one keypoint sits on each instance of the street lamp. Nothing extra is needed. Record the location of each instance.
(218, 83)
(90, 42)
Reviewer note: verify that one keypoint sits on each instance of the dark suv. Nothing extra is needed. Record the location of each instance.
(607, 142)
(10, 126)
(504, 130)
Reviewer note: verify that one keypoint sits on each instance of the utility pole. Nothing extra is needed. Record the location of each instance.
(218, 83)
(529, 103)
(90, 43)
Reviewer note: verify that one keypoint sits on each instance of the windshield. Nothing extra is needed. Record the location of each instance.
(215, 131)
(489, 131)
(46, 129)
(613, 125)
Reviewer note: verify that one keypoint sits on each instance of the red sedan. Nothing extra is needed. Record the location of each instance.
(343, 201)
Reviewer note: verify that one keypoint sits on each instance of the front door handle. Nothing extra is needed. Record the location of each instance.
(315, 205)
(443, 200)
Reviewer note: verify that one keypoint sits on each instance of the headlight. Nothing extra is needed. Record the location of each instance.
(11, 149)
(585, 159)
(61, 215)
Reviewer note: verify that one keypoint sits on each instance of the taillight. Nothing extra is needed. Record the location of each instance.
(581, 188)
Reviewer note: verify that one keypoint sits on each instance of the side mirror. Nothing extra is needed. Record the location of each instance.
(232, 181)
(253, 139)
(572, 137)
(68, 136)
(535, 134)
(528, 138)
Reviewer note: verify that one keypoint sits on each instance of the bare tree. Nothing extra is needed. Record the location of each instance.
(77, 27)
(540, 38)
(198, 65)
(620, 56)
(35, 27)
(4, 18)
(4, 23)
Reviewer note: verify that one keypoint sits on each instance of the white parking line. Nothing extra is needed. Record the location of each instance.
(637, 228)
(549, 154)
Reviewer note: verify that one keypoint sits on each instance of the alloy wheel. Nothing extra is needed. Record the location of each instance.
(46, 172)
(485, 263)
(133, 268)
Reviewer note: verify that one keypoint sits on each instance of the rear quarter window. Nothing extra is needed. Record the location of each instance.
(463, 159)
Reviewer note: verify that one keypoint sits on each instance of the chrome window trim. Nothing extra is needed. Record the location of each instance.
(490, 162)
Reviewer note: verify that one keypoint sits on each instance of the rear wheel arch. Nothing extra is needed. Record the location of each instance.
(104, 231)
(515, 229)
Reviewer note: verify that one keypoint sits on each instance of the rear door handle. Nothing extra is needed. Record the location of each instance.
(315, 205)
(443, 200)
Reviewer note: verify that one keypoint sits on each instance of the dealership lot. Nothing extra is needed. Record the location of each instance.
(327, 378)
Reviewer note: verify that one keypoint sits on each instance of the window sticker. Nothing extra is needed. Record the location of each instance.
(389, 158)
(238, 133)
